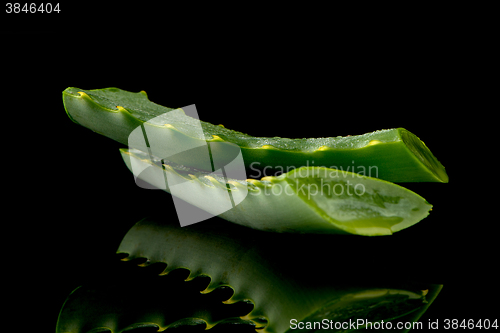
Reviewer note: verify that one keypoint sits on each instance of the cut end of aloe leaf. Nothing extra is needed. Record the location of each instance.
(355, 204)
(423, 155)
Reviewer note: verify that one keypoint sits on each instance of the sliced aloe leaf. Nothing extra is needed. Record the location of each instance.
(395, 155)
(304, 200)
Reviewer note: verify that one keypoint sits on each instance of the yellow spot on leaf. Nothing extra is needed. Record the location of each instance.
(218, 138)
(374, 142)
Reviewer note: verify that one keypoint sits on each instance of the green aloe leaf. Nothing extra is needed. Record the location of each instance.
(282, 275)
(304, 200)
(395, 155)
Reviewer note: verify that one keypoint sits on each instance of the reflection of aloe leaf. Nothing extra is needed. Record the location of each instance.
(305, 200)
(139, 299)
(284, 276)
(409, 321)
(397, 154)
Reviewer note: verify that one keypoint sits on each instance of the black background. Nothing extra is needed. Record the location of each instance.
(73, 199)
